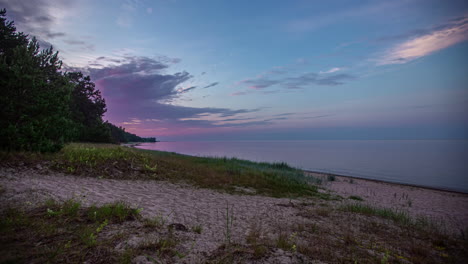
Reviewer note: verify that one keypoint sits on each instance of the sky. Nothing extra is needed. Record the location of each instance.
(266, 70)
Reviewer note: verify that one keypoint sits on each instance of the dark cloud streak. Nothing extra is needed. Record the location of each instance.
(211, 85)
(298, 82)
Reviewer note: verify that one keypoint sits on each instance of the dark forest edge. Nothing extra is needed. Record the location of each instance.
(44, 107)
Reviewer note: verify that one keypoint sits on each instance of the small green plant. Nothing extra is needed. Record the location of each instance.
(197, 229)
(259, 251)
(282, 241)
(385, 258)
(355, 197)
(71, 207)
(331, 178)
(150, 168)
(292, 241)
(101, 226)
(51, 212)
(154, 222)
(89, 236)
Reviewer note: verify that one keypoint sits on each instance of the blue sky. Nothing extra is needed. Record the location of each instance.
(239, 70)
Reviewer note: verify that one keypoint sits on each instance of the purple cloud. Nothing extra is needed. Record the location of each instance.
(141, 87)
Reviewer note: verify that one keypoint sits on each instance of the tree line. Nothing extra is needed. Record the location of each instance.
(42, 107)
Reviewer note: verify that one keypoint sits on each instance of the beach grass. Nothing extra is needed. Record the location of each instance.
(229, 174)
(273, 179)
(400, 217)
(397, 216)
(67, 232)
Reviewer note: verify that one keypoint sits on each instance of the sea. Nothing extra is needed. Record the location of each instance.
(441, 164)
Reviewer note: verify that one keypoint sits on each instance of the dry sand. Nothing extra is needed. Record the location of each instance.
(192, 206)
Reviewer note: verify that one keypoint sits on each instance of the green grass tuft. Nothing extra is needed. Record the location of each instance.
(115, 212)
(103, 160)
(197, 229)
(355, 197)
(401, 217)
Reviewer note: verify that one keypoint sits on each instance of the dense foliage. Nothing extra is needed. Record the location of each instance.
(42, 107)
(118, 134)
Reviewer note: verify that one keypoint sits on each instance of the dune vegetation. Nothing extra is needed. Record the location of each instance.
(119, 162)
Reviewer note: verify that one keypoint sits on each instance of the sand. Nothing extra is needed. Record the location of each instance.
(176, 203)
(451, 208)
(191, 206)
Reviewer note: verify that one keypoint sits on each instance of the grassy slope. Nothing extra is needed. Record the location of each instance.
(111, 161)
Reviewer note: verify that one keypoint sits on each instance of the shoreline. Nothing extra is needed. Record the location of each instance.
(387, 182)
(136, 144)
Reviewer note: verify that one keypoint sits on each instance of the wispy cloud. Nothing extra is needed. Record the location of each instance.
(82, 45)
(239, 93)
(332, 70)
(260, 83)
(184, 90)
(444, 36)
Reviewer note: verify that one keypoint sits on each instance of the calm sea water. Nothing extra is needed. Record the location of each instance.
(433, 163)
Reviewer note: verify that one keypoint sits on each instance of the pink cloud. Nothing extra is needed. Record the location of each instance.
(427, 44)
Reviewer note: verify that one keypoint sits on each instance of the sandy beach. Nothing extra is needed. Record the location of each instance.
(190, 206)
(439, 205)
